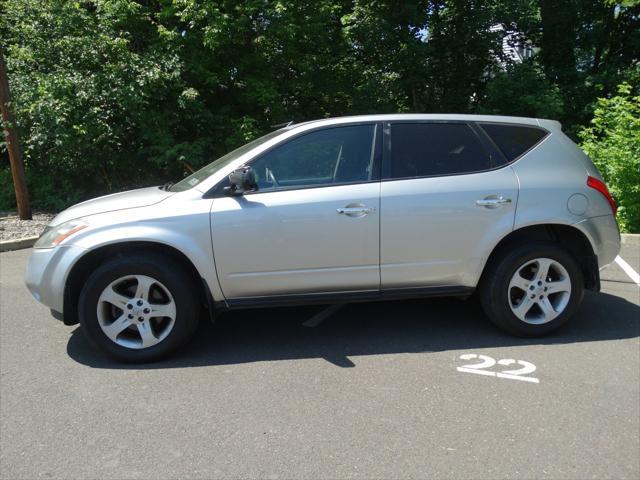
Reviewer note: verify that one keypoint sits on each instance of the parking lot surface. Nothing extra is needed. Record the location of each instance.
(375, 390)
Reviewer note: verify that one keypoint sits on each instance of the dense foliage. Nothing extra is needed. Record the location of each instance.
(613, 143)
(112, 94)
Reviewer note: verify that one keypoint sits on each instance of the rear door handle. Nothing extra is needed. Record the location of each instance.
(493, 201)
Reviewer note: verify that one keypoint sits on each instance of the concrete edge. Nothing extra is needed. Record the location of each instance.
(632, 239)
(18, 244)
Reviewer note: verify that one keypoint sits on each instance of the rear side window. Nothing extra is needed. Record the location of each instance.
(435, 149)
(513, 140)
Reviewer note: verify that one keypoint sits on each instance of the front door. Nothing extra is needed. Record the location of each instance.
(313, 224)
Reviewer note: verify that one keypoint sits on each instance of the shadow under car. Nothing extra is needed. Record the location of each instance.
(429, 325)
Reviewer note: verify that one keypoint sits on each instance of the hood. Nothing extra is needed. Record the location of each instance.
(142, 197)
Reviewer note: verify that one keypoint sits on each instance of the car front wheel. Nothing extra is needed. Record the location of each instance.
(532, 289)
(139, 308)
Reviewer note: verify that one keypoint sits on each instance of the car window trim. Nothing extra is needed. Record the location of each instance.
(217, 191)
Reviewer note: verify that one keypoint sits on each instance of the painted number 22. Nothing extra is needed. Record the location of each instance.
(486, 362)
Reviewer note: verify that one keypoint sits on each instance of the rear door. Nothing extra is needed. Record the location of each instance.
(447, 197)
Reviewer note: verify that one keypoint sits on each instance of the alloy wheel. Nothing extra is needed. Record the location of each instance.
(136, 311)
(539, 291)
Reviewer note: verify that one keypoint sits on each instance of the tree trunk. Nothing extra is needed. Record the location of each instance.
(558, 18)
(13, 146)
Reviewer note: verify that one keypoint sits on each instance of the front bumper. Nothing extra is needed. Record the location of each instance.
(47, 272)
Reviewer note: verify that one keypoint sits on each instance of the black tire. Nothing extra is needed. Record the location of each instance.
(494, 287)
(171, 274)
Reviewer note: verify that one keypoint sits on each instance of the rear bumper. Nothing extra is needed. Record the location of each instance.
(604, 236)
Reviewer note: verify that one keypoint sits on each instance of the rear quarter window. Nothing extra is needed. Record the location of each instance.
(514, 140)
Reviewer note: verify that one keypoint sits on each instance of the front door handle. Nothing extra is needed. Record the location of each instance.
(493, 201)
(355, 210)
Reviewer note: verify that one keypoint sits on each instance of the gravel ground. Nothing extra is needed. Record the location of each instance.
(12, 228)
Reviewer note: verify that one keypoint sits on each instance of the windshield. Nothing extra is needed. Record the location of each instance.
(208, 170)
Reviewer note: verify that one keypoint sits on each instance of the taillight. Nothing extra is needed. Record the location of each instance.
(600, 186)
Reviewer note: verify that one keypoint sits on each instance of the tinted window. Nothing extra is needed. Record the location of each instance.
(513, 140)
(325, 157)
(430, 149)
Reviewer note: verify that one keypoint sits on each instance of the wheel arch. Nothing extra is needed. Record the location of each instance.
(572, 239)
(86, 264)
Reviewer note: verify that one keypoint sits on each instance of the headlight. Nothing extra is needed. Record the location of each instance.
(53, 236)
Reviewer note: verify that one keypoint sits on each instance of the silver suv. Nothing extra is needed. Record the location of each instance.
(344, 209)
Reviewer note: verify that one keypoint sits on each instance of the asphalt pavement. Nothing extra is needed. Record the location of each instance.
(413, 389)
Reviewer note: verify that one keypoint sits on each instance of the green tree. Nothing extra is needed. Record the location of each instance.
(522, 90)
(462, 53)
(387, 55)
(613, 143)
(114, 94)
(95, 95)
(587, 48)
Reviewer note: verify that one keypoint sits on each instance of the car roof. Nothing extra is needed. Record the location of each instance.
(419, 117)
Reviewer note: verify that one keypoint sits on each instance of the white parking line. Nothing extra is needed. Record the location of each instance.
(633, 275)
(318, 318)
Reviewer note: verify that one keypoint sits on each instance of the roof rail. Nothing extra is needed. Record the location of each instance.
(281, 125)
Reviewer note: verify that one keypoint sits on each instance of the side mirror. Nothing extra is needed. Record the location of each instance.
(241, 180)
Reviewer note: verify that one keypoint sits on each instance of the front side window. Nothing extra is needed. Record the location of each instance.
(208, 170)
(326, 157)
(435, 149)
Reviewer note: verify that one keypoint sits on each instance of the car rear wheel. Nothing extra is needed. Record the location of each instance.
(139, 308)
(532, 289)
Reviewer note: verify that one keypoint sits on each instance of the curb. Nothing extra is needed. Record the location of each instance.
(20, 243)
(631, 239)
